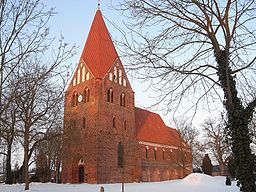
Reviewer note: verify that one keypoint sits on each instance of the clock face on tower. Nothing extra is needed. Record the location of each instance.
(80, 98)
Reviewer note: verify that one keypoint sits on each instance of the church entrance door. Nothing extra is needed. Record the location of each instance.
(81, 174)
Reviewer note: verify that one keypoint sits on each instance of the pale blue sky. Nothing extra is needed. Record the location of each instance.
(73, 21)
(74, 18)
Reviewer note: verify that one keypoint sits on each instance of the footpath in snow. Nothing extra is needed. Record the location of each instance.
(195, 182)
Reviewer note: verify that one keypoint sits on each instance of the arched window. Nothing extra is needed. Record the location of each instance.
(163, 154)
(115, 74)
(84, 123)
(124, 82)
(170, 154)
(83, 74)
(78, 76)
(86, 95)
(87, 76)
(120, 76)
(146, 152)
(74, 99)
(120, 155)
(122, 100)
(114, 122)
(124, 124)
(110, 76)
(155, 153)
(110, 95)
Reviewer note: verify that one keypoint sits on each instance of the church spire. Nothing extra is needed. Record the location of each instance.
(99, 52)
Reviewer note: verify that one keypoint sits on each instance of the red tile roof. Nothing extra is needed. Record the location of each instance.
(99, 52)
(151, 128)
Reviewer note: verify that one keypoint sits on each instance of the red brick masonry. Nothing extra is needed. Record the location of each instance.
(106, 138)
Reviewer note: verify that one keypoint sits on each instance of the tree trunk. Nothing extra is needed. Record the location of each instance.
(238, 120)
(57, 176)
(8, 165)
(222, 168)
(26, 146)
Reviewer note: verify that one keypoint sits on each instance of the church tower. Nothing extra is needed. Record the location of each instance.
(99, 118)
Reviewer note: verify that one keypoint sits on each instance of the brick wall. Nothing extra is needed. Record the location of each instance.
(162, 162)
(93, 130)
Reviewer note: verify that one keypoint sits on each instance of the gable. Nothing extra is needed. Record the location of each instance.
(81, 74)
(117, 74)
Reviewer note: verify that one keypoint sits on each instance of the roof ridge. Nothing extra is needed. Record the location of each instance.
(148, 111)
(151, 127)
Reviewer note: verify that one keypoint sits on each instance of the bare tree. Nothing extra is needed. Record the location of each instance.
(23, 31)
(215, 138)
(201, 50)
(50, 148)
(24, 34)
(192, 136)
(2, 158)
(8, 134)
(39, 101)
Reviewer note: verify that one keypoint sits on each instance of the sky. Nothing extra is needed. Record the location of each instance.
(73, 21)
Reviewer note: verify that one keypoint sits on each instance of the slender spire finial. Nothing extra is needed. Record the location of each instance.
(98, 4)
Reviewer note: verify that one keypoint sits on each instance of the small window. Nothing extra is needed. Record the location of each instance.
(110, 95)
(110, 76)
(120, 76)
(120, 155)
(155, 153)
(83, 74)
(115, 74)
(146, 152)
(83, 122)
(86, 95)
(124, 82)
(163, 154)
(122, 100)
(87, 76)
(78, 76)
(170, 154)
(125, 125)
(114, 122)
(74, 99)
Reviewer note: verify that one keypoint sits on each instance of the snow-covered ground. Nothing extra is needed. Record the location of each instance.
(193, 183)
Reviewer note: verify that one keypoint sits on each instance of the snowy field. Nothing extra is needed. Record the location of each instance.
(193, 183)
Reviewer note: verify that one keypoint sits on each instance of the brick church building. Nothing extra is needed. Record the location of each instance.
(106, 138)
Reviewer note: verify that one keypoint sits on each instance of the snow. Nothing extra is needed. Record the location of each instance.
(192, 183)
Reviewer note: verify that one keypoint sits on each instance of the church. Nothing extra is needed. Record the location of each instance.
(106, 138)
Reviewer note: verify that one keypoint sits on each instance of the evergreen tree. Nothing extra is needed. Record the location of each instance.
(207, 165)
(232, 167)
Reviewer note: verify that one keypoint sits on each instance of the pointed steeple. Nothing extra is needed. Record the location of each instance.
(99, 52)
